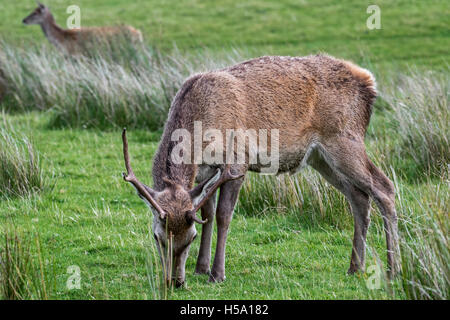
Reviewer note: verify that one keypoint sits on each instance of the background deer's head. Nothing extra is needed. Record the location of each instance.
(38, 16)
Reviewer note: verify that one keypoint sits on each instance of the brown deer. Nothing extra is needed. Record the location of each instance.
(75, 41)
(321, 107)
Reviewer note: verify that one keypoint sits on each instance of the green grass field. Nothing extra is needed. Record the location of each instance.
(412, 32)
(88, 217)
(94, 220)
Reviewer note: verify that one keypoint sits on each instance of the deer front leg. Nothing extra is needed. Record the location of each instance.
(204, 253)
(227, 200)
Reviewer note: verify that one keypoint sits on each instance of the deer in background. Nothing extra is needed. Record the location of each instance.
(321, 106)
(74, 41)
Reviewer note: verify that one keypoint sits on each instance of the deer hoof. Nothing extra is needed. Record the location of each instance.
(216, 278)
(200, 271)
(179, 283)
(354, 269)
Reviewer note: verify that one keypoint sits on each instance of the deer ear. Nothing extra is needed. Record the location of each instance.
(201, 190)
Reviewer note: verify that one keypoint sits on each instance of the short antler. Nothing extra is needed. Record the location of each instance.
(131, 178)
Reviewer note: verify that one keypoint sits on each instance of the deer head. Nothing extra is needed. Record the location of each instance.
(38, 16)
(174, 210)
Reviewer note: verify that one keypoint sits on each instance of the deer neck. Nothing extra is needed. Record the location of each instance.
(163, 165)
(52, 31)
(181, 116)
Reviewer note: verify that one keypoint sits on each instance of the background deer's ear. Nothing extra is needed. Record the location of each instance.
(201, 190)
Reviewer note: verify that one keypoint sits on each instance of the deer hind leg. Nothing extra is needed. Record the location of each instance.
(348, 157)
(229, 192)
(384, 196)
(204, 255)
(359, 204)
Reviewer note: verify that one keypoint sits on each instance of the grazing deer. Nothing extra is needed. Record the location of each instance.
(321, 107)
(75, 41)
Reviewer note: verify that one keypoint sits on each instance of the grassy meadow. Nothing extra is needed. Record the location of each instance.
(65, 210)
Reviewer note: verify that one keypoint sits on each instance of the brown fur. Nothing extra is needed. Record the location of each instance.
(308, 99)
(179, 202)
(321, 107)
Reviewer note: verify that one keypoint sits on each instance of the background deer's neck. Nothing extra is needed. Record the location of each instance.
(52, 31)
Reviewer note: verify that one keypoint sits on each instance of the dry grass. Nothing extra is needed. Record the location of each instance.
(419, 106)
(21, 172)
(425, 246)
(306, 194)
(122, 86)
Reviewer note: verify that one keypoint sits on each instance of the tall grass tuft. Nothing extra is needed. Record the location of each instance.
(21, 172)
(425, 250)
(160, 288)
(23, 272)
(126, 85)
(419, 103)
